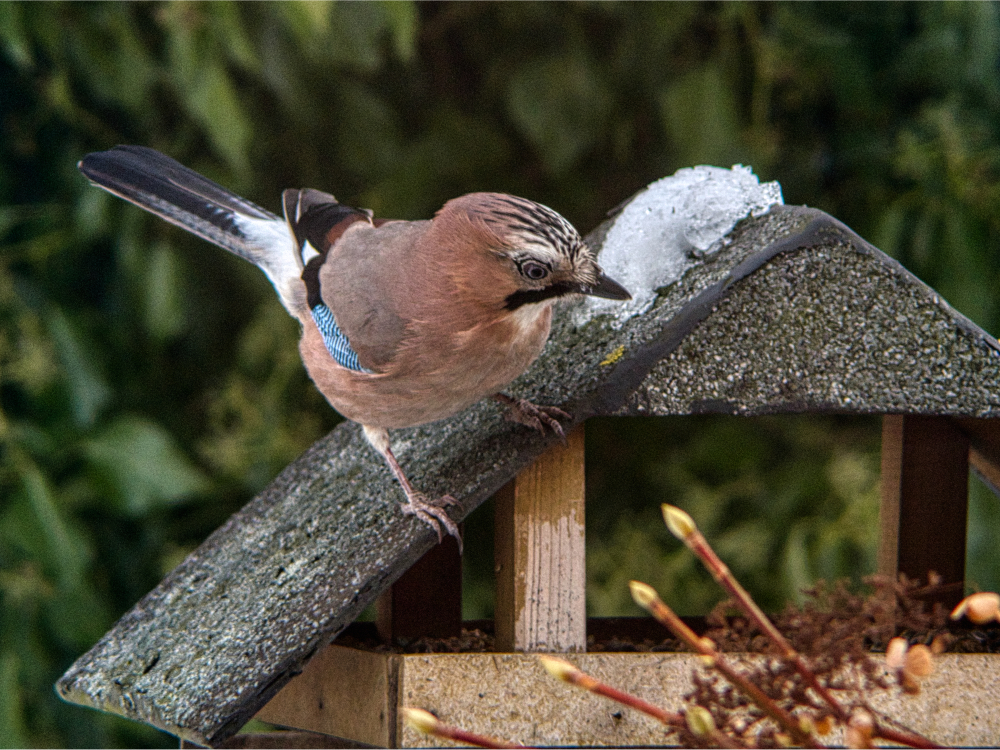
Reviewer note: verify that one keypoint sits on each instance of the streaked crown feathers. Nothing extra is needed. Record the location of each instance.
(536, 232)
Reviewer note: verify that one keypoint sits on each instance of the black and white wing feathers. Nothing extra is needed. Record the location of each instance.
(183, 197)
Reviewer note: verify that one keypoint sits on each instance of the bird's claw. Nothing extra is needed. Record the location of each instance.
(535, 416)
(432, 513)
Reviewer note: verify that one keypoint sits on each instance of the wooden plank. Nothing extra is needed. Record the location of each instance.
(503, 567)
(540, 563)
(426, 601)
(925, 491)
(510, 696)
(988, 471)
(343, 692)
(984, 448)
(984, 436)
(888, 520)
(280, 739)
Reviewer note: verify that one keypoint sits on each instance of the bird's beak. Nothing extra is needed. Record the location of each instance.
(605, 287)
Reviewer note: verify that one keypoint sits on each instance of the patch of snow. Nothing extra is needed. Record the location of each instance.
(671, 226)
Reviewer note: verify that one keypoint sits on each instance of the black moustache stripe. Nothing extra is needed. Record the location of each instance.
(530, 296)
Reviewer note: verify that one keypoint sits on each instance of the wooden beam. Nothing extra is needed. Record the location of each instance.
(925, 497)
(984, 435)
(342, 692)
(988, 471)
(426, 601)
(984, 448)
(540, 562)
(511, 697)
(280, 739)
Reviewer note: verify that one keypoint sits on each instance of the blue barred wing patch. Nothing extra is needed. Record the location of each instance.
(335, 340)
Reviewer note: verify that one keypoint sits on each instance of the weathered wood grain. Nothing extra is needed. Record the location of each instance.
(540, 554)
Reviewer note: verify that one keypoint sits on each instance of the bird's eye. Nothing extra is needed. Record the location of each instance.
(534, 271)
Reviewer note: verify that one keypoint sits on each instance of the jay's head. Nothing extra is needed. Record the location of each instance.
(533, 254)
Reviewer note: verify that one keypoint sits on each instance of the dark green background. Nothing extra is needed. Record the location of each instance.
(150, 384)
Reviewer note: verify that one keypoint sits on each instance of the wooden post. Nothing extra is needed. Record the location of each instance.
(539, 548)
(426, 601)
(925, 498)
(984, 450)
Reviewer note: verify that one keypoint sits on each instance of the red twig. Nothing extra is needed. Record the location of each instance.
(563, 670)
(428, 723)
(647, 598)
(683, 527)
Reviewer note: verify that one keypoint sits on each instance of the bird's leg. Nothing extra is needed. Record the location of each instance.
(417, 504)
(537, 417)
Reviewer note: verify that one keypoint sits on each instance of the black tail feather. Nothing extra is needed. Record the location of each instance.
(183, 197)
(178, 194)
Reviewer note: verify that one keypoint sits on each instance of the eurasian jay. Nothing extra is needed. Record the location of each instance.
(403, 322)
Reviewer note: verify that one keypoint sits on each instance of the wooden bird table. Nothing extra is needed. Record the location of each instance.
(795, 314)
(540, 596)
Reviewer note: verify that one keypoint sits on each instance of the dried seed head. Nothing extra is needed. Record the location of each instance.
(908, 683)
(919, 661)
(917, 664)
(979, 608)
(643, 594)
(824, 725)
(806, 725)
(859, 730)
(895, 653)
(558, 668)
(681, 525)
(699, 721)
(420, 720)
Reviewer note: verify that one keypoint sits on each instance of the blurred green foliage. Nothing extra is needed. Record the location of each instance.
(150, 384)
(784, 500)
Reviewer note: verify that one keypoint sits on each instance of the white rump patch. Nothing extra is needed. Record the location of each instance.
(273, 245)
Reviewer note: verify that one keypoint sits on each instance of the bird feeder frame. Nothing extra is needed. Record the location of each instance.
(796, 314)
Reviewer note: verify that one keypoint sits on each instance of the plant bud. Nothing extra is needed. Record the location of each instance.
(420, 720)
(558, 668)
(699, 721)
(708, 660)
(824, 726)
(681, 525)
(859, 730)
(642, 594)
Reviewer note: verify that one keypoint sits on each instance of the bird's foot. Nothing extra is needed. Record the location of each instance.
(432, 513)
(532, 415)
